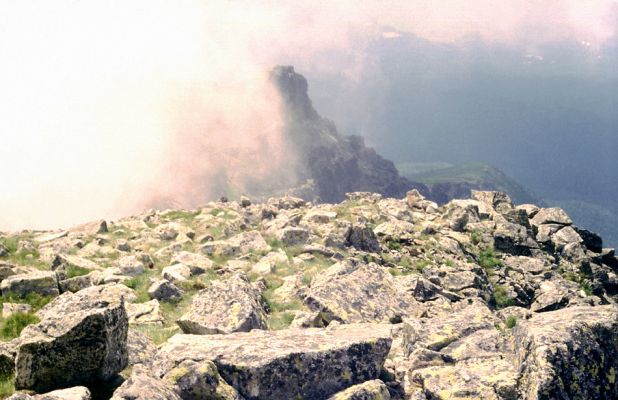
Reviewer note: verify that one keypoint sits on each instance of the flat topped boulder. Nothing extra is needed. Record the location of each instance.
(82, 337)
(287, 364)
(552, 215)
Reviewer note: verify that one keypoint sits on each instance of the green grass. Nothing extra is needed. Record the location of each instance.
(11, 327)
(30, 257)
(511, 321)
(274, 243)
(140, 285)
(36, 300)
(581, 279)
(501, 297)
(158, 334)
(181, 215)
(393, 244)
(73, 271)
(7, 386)
(476, 237)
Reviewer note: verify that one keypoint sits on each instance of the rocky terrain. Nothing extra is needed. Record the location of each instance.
(370, 298)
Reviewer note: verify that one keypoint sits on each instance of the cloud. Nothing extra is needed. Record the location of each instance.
(110, 107)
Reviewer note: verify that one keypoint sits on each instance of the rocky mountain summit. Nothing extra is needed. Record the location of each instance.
(370, 298)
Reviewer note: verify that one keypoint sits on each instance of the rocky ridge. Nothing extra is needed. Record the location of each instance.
(370, 298)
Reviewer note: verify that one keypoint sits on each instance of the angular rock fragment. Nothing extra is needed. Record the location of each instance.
(353, 291)
(363, 238)
(197, 263)
(164, 290)
(233, 305)
(81, 338)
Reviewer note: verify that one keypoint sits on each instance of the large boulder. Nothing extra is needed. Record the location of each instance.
(352, 291)
(293, 363)
(568, 354)
(233, 305)
(82, 338)
(44, 283)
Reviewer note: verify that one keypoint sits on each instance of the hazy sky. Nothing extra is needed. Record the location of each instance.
(108, 107)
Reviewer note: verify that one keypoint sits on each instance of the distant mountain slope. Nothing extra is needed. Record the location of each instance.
(330, 164)
(456, 181)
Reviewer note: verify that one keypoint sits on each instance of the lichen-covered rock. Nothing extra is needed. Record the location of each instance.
(370, 390)
(487, 379)
(44, 283)
(141, 348)
(199, 380)
(176, 273)
(553, 215)
(440, 331)
(81, 338)
(74, 393)
(293, 236)
(233, 305)
(362, 238)
(164, 290)
(142, 385)
(129, 266)
(568, 354)
(353, 291)
(243, 243)
(145, 313)
(287, 364)
(197, 263)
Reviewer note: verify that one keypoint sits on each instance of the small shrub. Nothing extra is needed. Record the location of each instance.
(36, 300)
(584, 285)
(489, 261)
(73, 270)
(501, 297)
(280, 320)
(511, 321)
(7, 386)
(393, 244)
(476, 237)
(12, 326)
